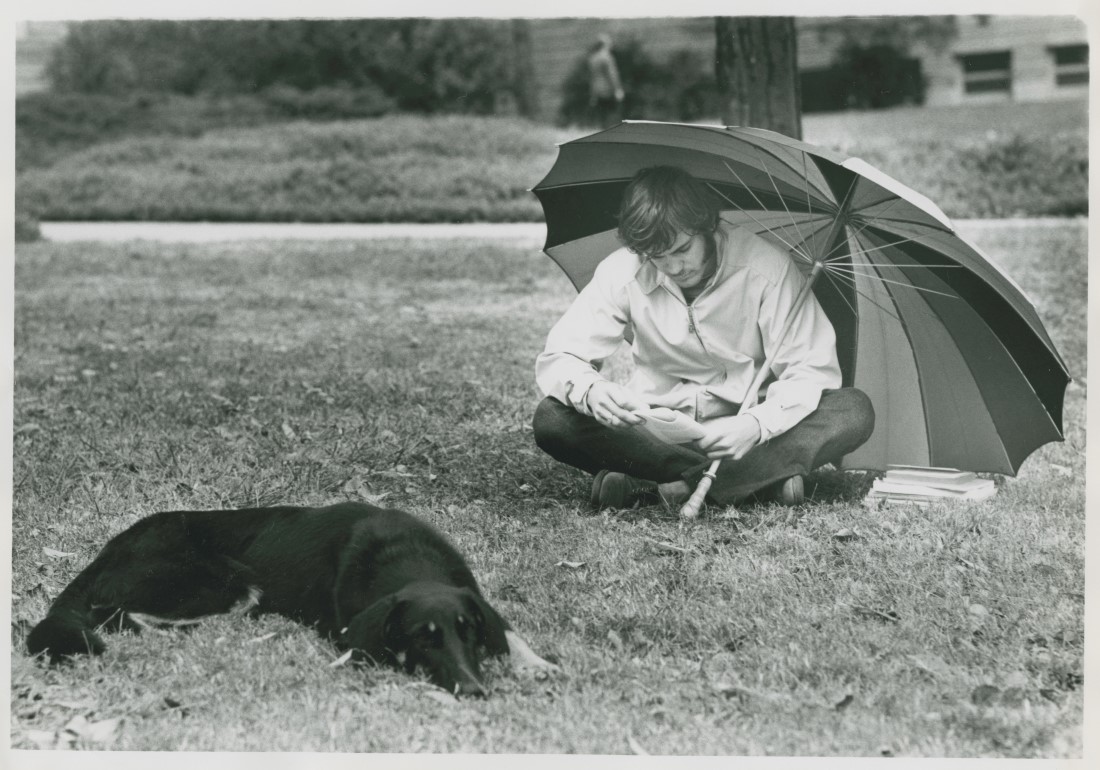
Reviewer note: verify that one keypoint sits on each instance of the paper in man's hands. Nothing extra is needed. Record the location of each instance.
(669, 425)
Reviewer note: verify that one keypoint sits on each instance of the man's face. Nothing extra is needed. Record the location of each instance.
(687, 262)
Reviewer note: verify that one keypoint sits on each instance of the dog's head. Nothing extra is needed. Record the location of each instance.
(439, 628)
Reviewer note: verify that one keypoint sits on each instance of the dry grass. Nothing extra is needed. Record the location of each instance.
(153, 377)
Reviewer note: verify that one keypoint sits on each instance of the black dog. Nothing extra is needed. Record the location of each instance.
(379, 582)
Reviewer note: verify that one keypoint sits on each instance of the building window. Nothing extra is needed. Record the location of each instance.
(1071, 64)
(985, 73)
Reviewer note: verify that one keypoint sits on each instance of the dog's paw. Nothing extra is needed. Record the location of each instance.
(537, 667)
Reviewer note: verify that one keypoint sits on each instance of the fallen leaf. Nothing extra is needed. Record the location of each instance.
(1062, 469)
(442, 697)
(871, 612)
(289, 432)
(635, 746)
(977, 611)
(665, 546)
(1016, 679)
(43, 739)
(570, 564)
(341, 660)
(104, 731)
(76, 725)
(57, 554)
(615, 639)
(845, 534)
(983, 694)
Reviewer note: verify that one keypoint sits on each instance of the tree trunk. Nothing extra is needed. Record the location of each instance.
(757, 71)
(523, 69)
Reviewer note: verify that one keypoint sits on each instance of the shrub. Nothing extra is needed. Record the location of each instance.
(50, 125)
(401, 168)
(327, 102)
(424, 65)
(26, 227)
(876, 76)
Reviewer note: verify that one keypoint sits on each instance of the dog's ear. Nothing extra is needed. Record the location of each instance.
(372, 632)
(491, 626)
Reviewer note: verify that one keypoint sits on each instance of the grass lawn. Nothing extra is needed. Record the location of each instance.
(153, 377)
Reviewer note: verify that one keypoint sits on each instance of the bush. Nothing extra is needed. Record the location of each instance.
(876, 76)
(26, 227)
(424, 65)
(401, 168)
(1009, 175)
(49, 125)
(677, 89)
(464, 168)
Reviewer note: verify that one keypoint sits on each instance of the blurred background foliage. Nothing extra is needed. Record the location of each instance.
(423, 120)
(424, 65)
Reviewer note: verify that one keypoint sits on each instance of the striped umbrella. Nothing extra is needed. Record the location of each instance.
(949, 349)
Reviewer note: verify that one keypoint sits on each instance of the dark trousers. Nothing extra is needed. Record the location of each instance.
(842, 421)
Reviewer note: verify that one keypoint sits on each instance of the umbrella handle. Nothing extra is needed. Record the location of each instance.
(694, 504)
(690, 509)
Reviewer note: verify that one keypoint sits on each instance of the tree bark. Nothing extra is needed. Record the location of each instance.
(523, 69)
(757, 72)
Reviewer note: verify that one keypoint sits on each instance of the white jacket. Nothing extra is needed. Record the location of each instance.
(698, 358)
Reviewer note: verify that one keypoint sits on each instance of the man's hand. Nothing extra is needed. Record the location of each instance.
(613, 405)
(729, 437)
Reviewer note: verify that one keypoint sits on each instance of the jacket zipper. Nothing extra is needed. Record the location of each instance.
(693, 330)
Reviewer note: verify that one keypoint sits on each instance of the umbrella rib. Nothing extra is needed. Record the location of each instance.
(840, 291)
(851, 282)
(853, 272)
(809, 202)
(855, 236)
(791, 246)
(752, 192)
(905, 264)
(884, 246)
(783, 201)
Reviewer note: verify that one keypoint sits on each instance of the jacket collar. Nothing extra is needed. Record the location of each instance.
(649, 278)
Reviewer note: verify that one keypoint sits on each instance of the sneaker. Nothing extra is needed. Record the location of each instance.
(617, 490)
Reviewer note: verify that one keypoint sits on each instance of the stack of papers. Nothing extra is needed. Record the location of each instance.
(670, 426)
(919, 485)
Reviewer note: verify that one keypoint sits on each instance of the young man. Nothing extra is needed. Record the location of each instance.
(706, 302)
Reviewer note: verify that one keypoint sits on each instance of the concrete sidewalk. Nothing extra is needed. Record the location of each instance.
(209, 232)
(525, 233)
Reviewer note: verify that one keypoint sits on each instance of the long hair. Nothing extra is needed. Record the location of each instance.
(659, 204)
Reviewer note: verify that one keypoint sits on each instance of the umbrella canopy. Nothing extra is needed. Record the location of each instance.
(949, 349)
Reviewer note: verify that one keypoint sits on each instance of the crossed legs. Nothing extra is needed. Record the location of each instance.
(843, 420)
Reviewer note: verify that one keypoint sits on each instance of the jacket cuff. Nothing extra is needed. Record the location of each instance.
(576, 391)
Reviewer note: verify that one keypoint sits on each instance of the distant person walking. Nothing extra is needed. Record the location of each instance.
(605, 89)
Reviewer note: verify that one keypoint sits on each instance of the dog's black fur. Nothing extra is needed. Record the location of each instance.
(379, 582)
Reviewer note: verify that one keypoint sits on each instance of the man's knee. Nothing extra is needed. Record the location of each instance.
(553, 426)
(852, 414)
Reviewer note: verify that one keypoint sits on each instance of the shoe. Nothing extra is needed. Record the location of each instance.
(792, 491)
(617, 490)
